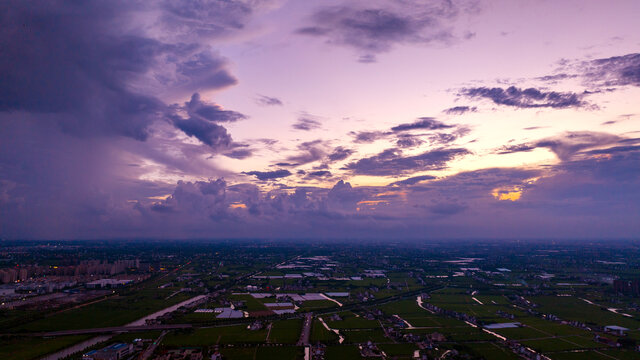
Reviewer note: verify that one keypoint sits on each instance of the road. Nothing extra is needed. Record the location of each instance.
(114, 329)
(306, 329)
(147, 353)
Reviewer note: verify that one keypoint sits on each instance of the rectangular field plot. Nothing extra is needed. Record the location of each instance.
(215, 335)
(573, 308)
(492, 351)
(561, 344)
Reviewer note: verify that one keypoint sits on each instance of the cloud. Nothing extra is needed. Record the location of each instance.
(198, 109)
(553, 79)
(307, 122)
(308, 151)
(239, 154)
(268, 101)
(207, 20)
(566, 145)
(613, 71)
(408, 141)
(57, 60)
(339, 153)
(367, 137)
(319, 174)
(376, 27)
(447, 208)
(98, 78)
(527, 98)
(392, 162)
(459, 110)
(412, 180)
(423, 123)
(88, 83)
(201, 123)
(269, 175)
(211, 134)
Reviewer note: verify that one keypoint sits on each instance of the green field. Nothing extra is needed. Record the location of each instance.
(492, 351)
(572, 308)
(351, 321)
(111, 312)
(285, 331)
(320, 333)
(215, 335)
(342, 352)
(263, 353)
(27, 348)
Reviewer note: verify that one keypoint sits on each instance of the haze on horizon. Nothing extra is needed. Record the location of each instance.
(320, 119)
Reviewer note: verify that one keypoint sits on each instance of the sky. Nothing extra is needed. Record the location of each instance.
(332, 119)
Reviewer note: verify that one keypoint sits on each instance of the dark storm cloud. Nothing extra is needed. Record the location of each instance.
(373, 29)
(527, 98)
(339, 153)
(423, 123)
(412, 180)
(392, 162)
(269, 175)
(307, 123)
(55, 60)
(73, 59)
(83, 80)
(268, 101)
(459, 110)
(82, 47)
(613, 71)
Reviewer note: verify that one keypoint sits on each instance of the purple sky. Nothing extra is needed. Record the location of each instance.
(320, 119)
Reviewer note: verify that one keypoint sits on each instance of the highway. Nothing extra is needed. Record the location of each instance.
(114, 329)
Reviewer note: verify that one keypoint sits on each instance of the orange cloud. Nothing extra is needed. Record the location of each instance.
(507, 195)
(237, 206)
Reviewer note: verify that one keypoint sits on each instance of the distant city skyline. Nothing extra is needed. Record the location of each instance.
(426, 119)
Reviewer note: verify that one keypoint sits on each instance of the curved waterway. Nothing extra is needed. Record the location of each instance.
(76, 348)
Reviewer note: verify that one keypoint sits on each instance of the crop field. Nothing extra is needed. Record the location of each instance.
(285, 331)
(359, 336)
(320, 333)
(573, 308)
(111, 312)
(561, 344)
(342, 352)
(351, 321)
(489, 350)
(215, 335)
(32, 347)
